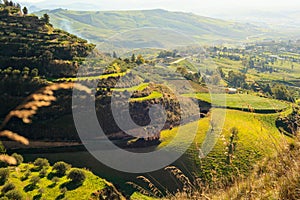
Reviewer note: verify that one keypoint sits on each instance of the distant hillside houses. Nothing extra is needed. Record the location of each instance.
(231, 90)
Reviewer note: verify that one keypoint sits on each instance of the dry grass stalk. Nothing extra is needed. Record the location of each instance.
(180, 176)
(42, 98)
(274, 178)
(140, 189)
(14, 136)
(8, 159)
(151, 186)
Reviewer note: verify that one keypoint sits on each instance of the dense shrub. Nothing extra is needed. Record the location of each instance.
(77, 176)
(41, 162)
(43, 172)
(19, 158)
(61, 168)
(55, 180)
(35, 180)
(26, 175)
(8, 187)
(4, 174)
(14, 195)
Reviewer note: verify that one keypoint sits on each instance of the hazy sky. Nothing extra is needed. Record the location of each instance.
(206, 7)
(181, 4)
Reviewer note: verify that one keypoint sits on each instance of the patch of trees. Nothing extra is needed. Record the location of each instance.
(10, 7)
(26, 80)
(281, 92)
(165, 54)
(260, 64)
(119, 65)
(193, 76)
(277, 91)
(11, 4)
(236, 79)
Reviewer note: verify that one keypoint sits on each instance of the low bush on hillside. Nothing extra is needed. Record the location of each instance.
(4, 174)
(40, 163)
(14, 195)
(60, 168)
(19, 158)
(7, 187)
(77, 176)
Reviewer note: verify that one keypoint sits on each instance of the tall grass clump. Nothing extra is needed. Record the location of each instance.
(26, 110)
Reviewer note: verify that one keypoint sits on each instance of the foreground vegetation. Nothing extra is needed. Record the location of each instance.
(260, 120)
(39, 180)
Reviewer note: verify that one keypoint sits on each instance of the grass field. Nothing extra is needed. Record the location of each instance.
(153, 95)
(257, 138)
(50, 189)
(243, 101)
(90, 78)
(140, 87)
(284, 70)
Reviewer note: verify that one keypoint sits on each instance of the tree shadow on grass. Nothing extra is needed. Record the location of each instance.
(61, 196)
(70, 185)
(30, 187)
(37, 197)
(52, 185)
(51, 175)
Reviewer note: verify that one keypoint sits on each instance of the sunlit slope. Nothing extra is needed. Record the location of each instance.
(98, 26)
(257, 137)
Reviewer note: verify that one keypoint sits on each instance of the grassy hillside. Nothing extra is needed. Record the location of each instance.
(244, 102)
(257, 138)
(50, 186)
(156, 28)
(29, 41)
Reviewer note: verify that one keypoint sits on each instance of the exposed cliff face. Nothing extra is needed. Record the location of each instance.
(56, 122)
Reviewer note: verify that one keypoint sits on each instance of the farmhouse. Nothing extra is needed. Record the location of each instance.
(231, 90)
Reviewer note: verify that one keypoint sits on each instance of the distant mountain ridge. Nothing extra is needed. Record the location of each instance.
(98, 26)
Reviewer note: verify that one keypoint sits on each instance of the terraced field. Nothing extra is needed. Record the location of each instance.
(244, 102)
(90, 78)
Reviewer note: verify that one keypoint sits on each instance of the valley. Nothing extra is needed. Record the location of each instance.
(241, 101)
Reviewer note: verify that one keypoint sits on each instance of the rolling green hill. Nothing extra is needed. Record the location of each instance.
(28, 182)
(150, 28)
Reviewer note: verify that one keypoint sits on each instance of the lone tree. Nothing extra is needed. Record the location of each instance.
(115, 55)
(133, 58)
(140, 60)
(232, 144)
(46, 18)
(25, 11)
